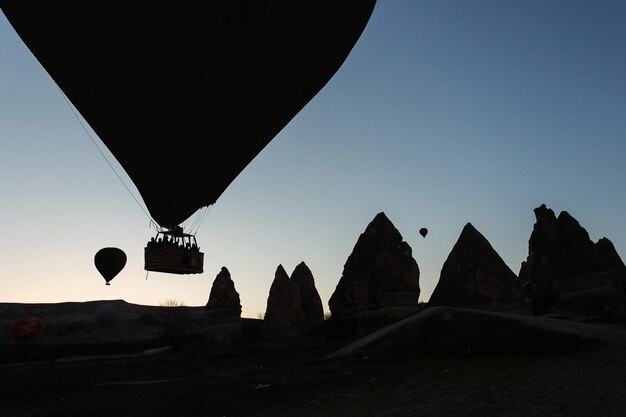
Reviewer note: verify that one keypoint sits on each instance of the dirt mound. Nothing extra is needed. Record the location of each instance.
(447, 331)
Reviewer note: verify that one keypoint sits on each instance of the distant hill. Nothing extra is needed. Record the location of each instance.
(75, 322)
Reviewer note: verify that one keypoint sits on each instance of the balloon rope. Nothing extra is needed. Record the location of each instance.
(102, 153)
(198, 219)
(204, 216)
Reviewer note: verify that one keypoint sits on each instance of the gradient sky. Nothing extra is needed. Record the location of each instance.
(445, 112)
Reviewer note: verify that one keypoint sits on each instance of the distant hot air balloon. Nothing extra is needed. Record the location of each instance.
(186, 96)
(109, 262)
(25, 329)
(423, 231)
(106, 317)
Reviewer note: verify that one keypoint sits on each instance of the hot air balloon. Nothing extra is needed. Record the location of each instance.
(185, 96)
(25, 329)
(109, 262)
(423, 231)
(106, 317)
(174, 251)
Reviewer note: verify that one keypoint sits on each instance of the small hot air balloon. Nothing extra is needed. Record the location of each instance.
(106, 317)
(25, 329)
(423, 231)
(109, 262)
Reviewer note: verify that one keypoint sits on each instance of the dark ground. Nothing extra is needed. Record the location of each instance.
(453, 364)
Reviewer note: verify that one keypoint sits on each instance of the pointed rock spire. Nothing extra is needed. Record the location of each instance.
(474, 274)
(312, 316)
(284, 306)
(294, 307)
(223, 331)
(223, 299)
(379, 284)
(380, 272)
(564, 267)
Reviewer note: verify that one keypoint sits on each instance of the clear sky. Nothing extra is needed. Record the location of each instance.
(445, 112)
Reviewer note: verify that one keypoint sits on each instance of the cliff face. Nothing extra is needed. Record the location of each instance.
(567, 271)
(474, 274)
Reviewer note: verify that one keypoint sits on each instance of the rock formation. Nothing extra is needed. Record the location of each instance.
(312, 317)
(566, 272)
(224, 300)
(474, 275)
(380, 281)
(223, 332)
(294, 307)
(284, 306)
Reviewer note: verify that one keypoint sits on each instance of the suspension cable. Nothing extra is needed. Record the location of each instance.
(199, 218)
(194, 222)
(69, 104)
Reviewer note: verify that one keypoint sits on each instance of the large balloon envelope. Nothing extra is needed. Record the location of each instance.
(185, 94)
(423, 231)
(109, 262)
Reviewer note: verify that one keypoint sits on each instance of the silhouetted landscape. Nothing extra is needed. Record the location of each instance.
(549, 340)
(314, 116)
